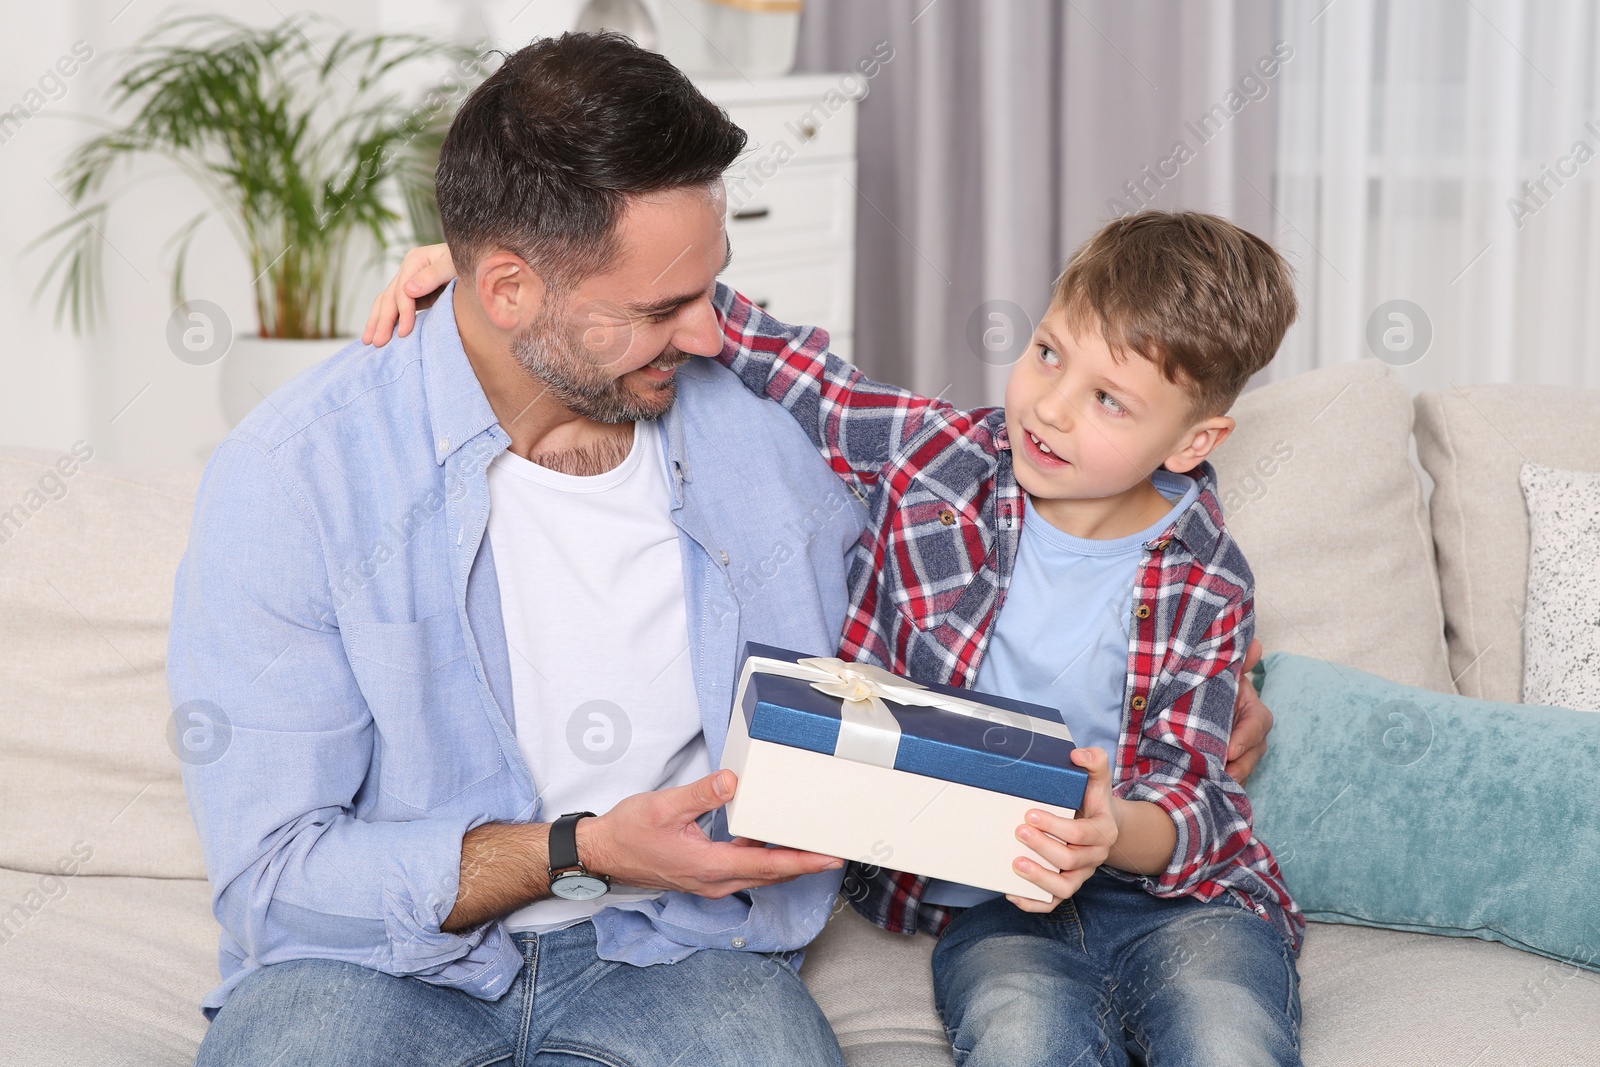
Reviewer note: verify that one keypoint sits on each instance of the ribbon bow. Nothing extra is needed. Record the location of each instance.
(868, 731)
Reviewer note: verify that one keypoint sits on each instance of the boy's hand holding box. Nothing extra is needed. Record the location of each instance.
(849, 760)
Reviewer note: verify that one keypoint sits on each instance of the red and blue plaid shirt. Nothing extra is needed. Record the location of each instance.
(930, 576)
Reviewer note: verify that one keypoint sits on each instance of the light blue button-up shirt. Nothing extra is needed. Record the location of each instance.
(337, 622)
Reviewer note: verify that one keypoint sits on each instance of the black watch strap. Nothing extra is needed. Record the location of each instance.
(563, 846)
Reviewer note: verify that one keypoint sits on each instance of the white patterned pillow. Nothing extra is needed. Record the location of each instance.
(1561, 636)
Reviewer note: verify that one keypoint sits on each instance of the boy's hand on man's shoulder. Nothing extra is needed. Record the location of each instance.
(422, 274)
(1076, 846)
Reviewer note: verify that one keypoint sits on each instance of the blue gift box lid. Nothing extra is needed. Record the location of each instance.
(997, 756)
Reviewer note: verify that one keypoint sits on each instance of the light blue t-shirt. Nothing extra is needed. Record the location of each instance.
(1062, 636)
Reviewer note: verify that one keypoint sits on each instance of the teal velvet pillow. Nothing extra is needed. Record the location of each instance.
(1404, 808)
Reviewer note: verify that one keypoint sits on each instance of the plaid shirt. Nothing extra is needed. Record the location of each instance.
(930, 577)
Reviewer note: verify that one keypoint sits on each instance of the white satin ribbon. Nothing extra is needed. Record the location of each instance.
(868, 731)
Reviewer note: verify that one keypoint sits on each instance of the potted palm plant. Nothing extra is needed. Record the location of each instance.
(301, 144)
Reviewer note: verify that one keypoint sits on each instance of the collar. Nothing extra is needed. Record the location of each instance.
(1200, 526)
(458, 410)
(672, 450)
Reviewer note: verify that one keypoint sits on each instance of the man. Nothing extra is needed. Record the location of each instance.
(453, 594)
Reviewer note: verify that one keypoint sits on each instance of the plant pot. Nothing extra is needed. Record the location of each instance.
(255, 366)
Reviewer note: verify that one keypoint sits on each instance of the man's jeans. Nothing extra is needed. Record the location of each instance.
(568, 1008)
(1114, 976)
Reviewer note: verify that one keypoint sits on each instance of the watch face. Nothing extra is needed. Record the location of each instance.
(574, 886)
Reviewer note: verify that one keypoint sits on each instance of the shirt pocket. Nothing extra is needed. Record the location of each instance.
(933, 552)
(434, 738)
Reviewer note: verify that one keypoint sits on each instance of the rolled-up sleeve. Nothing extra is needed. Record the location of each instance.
(1182, 752)
(277, 743)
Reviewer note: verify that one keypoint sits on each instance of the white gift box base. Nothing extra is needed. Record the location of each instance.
(896, 819)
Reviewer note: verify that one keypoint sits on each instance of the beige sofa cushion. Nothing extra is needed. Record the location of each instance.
(104, 970)
(1318, 489)
(1473, 441)
(1383, 997)
(877, 991)
(86, 569)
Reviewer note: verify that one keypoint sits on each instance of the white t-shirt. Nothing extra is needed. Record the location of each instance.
(591, 591)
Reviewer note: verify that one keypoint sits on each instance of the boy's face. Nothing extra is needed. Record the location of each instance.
(1084, 425)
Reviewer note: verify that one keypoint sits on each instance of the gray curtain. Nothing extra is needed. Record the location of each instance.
(997, 138)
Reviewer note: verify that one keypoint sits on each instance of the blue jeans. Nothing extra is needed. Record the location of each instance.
(1116, 976)
(567, 1008)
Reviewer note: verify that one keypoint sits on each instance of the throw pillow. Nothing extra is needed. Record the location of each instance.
(1561, 627)
(1393, 806)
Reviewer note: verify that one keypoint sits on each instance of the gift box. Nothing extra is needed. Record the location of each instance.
(849, 760)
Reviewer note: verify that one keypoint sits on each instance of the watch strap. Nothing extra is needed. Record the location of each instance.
(563, 845)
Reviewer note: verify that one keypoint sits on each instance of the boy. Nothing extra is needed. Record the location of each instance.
(1087, 510)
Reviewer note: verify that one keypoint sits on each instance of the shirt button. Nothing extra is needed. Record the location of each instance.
(1138, 703)
(1143, 611)
(444, 444)
(947, 517)
(724, 554)
(737, 942)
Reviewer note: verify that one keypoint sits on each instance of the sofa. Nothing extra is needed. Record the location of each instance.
(1386, 532)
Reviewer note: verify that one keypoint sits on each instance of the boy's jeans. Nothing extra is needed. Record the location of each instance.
(1114, 976)
(567, 1008)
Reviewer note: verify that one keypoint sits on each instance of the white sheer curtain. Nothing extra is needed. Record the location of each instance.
(998, 136)
(1446, 154)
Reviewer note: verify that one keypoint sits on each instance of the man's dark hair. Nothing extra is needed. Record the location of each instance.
(542, 156)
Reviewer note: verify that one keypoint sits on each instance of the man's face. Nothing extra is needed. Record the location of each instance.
(1085, 425)
(610, 347)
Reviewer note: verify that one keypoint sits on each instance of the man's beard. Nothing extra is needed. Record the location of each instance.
(578, 374)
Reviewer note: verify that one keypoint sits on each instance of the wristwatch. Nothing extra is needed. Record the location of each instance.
(569, 879)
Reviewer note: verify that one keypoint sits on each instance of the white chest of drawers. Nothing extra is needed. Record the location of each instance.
(792, 199)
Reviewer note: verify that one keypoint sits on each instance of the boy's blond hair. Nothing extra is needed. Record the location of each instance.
(1205, 301)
